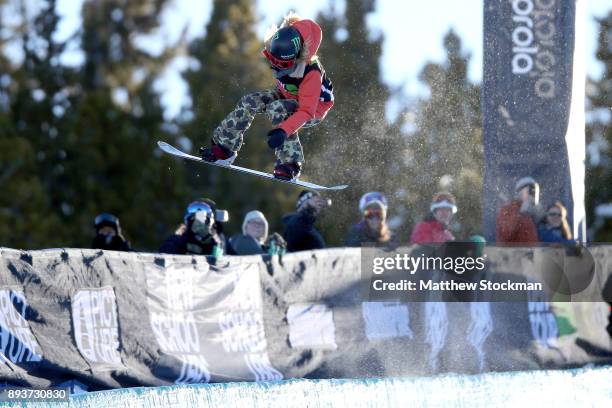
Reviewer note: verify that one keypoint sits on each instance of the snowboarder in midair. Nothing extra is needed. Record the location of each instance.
(303, 96)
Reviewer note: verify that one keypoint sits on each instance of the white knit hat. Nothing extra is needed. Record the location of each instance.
(252, 216)
(443, 199)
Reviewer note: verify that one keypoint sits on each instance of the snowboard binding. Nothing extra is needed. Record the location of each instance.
(218, 154)
(287, 171)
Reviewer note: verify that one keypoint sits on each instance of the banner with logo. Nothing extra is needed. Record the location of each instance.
(99, 320)
(208, 323)
(533, 104)
(96, 328)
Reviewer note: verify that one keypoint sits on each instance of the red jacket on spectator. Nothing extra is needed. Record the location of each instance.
(430, 231)
(515, 227)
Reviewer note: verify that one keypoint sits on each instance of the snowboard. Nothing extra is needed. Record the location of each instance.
(178, 153)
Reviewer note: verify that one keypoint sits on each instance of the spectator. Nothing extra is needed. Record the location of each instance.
(108, 234)
(300, 232)
(434, 228)
(254, 238)
(200, 233)
(601, 228)
(373, 226)
(554, 227)
(254, 234)
(604, 232)
(515, 221)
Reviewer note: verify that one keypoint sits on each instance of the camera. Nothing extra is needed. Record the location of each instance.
(221, 216)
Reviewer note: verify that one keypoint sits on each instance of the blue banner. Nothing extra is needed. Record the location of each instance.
(533, 104)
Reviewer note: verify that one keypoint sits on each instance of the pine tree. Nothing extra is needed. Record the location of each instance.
(36, 103)
(113, 57)
(26, 217)
(445, 150)
(112, 146)
(599, 129)
(355, 144)
(88, 154)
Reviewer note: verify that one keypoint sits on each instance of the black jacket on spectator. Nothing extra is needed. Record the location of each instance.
(300, 233)
(241, 244)
(360, 234)
(117, 243)
(188, 243)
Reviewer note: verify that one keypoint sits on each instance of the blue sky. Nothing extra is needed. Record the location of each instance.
(413, 34)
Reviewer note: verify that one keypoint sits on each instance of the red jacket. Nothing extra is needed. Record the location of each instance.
(314, 90)
(513, 226)
(430, 232)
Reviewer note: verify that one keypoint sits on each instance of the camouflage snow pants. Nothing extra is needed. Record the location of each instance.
(230, 131)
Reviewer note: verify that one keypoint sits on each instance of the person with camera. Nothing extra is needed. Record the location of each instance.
(201, 231)
(300, 231)
(516, 221)
(434, 228)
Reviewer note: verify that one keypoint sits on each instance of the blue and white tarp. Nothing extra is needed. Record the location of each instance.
(112, 319)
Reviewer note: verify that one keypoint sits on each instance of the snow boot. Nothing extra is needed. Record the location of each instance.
(218, 154)
(287, 171)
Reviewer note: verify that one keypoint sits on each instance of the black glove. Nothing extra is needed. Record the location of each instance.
(276, 138)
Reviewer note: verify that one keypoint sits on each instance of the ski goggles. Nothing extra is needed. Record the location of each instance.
(105, 218)
(277, 63)
(554, 214)
(196, 206)
(373, 213)
(443, 204)
(371, 197)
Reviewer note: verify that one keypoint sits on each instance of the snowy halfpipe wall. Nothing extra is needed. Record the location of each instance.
(111, 319)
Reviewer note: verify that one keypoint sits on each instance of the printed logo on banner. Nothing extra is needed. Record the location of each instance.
(543, 322)
(242, 328)
(436, 322)
(96, 328)
(480, 328)
(17, 343)
(311, 326)
(210, 321)
(385, 320)
(533, 43)
(172, 300)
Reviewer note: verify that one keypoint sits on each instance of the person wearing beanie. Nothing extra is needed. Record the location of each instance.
(254, 239)
(372, 228)
(256, 226)
(434, 228)
(108, 234)
(515, 222)
(300, 232)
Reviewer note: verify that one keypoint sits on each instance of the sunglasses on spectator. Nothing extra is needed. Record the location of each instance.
(373, 213)
(554, 214)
